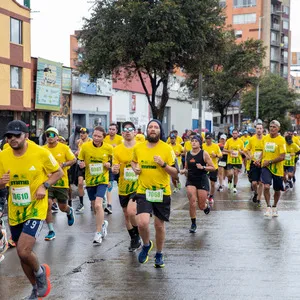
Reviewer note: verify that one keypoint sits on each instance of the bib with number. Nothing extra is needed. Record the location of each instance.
(270, 147)
(257, 155)
(129, 174)
(21, 195)
(234, 154)
(96, 169)
(154, 196)
(288, 156)
(222, 163)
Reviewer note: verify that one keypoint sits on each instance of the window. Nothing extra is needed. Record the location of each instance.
(222, 3)
(274, 36)
(273, 67)
(15, 31)
(285, 24)
(286, 10)
(16, 78)
(286, 41)
(274, 53)
(238, 33)
(244, 19)
(244, 3)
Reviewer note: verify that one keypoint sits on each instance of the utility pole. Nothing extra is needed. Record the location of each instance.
(200, 102)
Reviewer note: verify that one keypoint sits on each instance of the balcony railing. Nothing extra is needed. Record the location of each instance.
(275, 26)
(275, 43)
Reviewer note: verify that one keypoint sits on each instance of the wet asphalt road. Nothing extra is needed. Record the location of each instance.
(235, 254)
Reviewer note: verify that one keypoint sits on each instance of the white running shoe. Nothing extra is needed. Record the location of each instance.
(104, 229)
(274, 212)
(234, 190)
(97, 238)
(268, 212)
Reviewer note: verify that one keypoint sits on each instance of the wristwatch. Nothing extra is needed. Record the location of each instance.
(204, 167)
(64, 164)
(270, 162)
(46, 185)
(164, 165)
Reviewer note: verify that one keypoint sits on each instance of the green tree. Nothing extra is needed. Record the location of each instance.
(150, 39)
(276, 100)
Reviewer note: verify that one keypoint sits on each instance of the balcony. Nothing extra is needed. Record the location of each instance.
(275, 26)
(275, 58)
(275, 43)
(284, 60)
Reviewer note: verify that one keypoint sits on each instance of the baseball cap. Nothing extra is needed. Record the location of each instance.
(16, 127)
(52, 129)
(295, 132)
(128, 123)
(245, 132)
(208, 135)
(84, 130)
(276, 123)
(172, 136)
(223, 136)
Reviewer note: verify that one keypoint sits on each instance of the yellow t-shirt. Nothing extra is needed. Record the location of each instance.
(178, 149)
(81, 142)
(290, 159)
(234, 158)
(128, 180)
(61, 153)
(245, 140)
(27, 173)
(94, 158)
(153, 177)
(117, 140)
(255, 146)
(187, 146)
(296, 140)
(140, 138)
(213, 149)
(178, 140)
(273, 147)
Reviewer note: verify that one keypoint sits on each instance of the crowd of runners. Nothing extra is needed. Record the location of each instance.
(37, 179)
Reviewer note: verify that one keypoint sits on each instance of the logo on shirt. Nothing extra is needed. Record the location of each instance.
(32, 168)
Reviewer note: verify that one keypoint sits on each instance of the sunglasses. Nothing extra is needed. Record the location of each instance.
(50, 135)
(129, 129)
(11, 135)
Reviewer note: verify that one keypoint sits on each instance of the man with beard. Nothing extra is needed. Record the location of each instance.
(274, 150)
(154, 162)
(25, 168)
(122, 157)
(60, 190)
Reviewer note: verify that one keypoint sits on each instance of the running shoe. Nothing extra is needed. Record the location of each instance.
(54, 208)
(207, 209)
(254, 199)
(258, 203)
(193, 228)
(220, 188)
(3, 241)
(268, 212)
(50, 236)
(104, 229)
(11, 243)
(294, 179)
(71, 217)
(211, 200)
(290, 184)
(97, 238)
(287, 186)
(175, 190)
(234, 190)
(135, 244)
(33, 295)
(274, 212)
(43, 282)
(108, 209)
(143, 256)
(80, 208)
(2, 257)
(159, 260)
(179, 185)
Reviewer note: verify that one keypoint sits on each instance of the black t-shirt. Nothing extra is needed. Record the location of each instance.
(194, 173)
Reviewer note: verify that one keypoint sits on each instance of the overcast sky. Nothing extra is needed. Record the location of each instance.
(57, 19)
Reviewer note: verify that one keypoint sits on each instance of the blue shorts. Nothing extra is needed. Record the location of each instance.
(289, 169)
(267, 177)
(96, 191)
(31, 227)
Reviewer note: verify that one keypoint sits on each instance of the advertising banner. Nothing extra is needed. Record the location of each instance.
(67, 80)
(85, 86)
(48, 85)
(104, 87)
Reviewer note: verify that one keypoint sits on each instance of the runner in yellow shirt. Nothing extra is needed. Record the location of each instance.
(215, 153)
(245, 138)
(128, 182)
(25, 167)
(60, 190)
(139, 137)
(234, 147)
(272, 166)
(178, 138)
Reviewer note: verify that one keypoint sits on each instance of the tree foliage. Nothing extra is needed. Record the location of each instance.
(233, 71)
(276, 100)
(150, 39)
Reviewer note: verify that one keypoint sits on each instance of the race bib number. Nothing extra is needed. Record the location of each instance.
(21, 195)
(222, 164)
(129, 174)
(96, 169)
(234, 154)
(257, 155)
(288, 156)
(270, 147)
(154, 196)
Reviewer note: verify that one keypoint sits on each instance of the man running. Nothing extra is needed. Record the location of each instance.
(153, 161)
(215, 153)
(60, 190)
(253, 151)
(127, 183)
(95, 157)
(234, 147)
(84, 137)
(274, 150)
(222, 163)
(113, 139)
(29, 170)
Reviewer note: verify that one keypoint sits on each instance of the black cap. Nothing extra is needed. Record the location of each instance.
(162, 133)
(208, 135)
(16, 127)
(128, 123)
